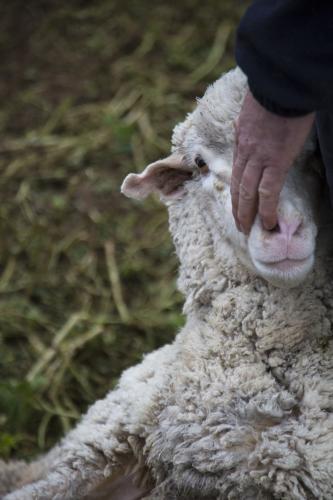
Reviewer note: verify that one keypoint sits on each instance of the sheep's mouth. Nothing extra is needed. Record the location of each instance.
(285, 264)
(286, 272)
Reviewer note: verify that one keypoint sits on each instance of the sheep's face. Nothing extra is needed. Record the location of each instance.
(283, 256)
(202, 156)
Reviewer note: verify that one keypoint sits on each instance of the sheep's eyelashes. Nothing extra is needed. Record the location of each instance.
(201, 164)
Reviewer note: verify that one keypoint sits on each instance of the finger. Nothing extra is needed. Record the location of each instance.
(237, 174)
(234, 187)
(269, 194)
(248, 195)
(237, 171)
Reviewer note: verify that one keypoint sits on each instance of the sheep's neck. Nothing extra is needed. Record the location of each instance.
(218, 288)
(203, 274)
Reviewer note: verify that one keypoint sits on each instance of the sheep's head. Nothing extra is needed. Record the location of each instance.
(202, 155)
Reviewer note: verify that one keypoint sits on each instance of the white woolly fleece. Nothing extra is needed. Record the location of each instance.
(240, 406)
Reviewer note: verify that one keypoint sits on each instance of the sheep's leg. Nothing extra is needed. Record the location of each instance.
(12, 475)
(122, 488)
(80, 468)
(15, 474)
(96, 450)
(59, 485)
(109, 438)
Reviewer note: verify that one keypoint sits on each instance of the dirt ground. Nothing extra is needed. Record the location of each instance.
(89, 91)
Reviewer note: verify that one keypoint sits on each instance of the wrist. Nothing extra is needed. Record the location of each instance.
(274, 107)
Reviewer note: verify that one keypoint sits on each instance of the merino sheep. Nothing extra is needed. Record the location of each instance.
(240, 405)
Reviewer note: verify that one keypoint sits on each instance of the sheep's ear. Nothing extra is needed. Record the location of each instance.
(165, 177)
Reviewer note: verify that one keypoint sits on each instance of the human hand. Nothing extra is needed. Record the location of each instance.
(266, 146)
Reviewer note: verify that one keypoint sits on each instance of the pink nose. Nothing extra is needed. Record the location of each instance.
(287, 227)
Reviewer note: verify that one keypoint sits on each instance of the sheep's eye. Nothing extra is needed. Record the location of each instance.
(200, 162)
(202, 165)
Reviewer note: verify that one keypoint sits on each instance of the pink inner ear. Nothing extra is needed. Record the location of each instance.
(165, 177)
(168, 181)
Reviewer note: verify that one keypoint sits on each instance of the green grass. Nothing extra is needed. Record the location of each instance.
(90, 91)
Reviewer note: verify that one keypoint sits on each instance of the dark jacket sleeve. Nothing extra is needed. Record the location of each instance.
(285, 47)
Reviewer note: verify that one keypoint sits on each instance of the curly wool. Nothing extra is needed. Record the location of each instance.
(247, 413)
(239, 406)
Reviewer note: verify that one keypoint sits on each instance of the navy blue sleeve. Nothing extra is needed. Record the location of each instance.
(285, 47)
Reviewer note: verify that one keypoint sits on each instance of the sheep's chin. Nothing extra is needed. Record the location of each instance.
(285, 274)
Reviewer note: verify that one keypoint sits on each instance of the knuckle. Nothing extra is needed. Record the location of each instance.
(247, 144)
(266, 193)
(275, 173)
(246, 194)
(247, 178)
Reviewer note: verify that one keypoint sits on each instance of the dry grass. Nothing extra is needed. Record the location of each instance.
(89, 92)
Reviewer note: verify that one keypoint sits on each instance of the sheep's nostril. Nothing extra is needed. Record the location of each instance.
(286, 227)
(275, 229)
(290, 227)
